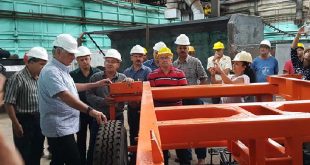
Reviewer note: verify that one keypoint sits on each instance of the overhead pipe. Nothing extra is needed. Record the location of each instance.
(299, 12)
(196, 8)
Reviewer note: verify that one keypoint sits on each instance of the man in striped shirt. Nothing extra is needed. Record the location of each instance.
(166, 75)
(21, 103)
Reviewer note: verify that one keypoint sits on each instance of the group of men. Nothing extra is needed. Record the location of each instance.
(46, 99)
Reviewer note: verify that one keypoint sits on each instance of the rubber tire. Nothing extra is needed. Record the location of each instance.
(111, 144)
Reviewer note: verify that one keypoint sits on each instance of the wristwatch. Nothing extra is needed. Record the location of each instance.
(89, 109)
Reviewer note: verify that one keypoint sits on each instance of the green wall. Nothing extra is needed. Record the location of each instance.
(25, 23)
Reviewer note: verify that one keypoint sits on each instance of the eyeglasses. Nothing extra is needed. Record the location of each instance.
(111, 62)
(164, 58)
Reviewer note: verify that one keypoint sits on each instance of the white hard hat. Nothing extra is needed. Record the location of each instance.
(67, 42)
(38, 52)
(266, 42)
(113, 53)
(137, 49)
(182, 39)
(82, 51)
(159, 45)
(243, 56)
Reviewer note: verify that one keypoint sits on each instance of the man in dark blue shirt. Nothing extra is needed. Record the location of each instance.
(138, 72)
(152, 63)
(82, 75)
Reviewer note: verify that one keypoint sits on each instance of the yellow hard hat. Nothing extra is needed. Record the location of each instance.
(145, 51)
(300, 45)
(165, 51)
(191, 49)
(218, 45)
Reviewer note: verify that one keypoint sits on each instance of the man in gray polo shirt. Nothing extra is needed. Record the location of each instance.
(194, 73)
(59, 103)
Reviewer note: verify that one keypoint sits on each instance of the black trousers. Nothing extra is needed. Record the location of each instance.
(85, 121)
(133, 115)
(64, 150)
(306, 153)
(200, 152)
(30, 145)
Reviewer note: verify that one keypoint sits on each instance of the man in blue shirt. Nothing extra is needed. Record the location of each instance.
(59, 103)
(153, 63)
(138, 72)
(265, 64)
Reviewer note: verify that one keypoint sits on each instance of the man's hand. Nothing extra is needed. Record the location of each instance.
(301, 30)
(212, 71)
(103, 82)
(109, 100)
(216, 57)
(18, 130)
(128, 80)
(99, 116)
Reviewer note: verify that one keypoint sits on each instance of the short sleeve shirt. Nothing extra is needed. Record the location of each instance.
(192, 68)
(225, 63)
(236, 99)
(288, 66)
(264, 68)
(57, 119)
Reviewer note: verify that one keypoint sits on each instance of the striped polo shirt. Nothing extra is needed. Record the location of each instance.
(21, 91)
(175, 77)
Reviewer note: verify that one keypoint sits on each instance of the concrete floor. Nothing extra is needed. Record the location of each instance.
(6, 130)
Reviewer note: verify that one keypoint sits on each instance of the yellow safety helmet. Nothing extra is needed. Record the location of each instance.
(191, 49)
(145, 51)
(164, 52)
(300, 45)
(218, 45)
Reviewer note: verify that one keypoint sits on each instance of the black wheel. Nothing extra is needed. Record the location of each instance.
(111, 144)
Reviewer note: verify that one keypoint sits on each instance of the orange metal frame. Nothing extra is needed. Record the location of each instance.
(251, 131)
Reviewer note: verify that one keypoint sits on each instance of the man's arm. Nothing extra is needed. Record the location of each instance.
(75, 103)
(296, 39)
(87, 86)
(17, 127)
(201, 73)
(8, 154)
(2, 83)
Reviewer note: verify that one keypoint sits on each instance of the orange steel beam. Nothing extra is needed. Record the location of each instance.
(182, 131)
(145, 154)
(245, 128)
(197, 91)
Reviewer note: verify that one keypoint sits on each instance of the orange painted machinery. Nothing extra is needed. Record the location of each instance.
(260, 133)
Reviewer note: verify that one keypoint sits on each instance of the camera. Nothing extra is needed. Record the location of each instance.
(307, 29)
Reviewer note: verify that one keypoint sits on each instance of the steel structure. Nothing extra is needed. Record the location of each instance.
(264, 133)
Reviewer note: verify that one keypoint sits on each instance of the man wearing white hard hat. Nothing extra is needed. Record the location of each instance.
(153, 63)
(195, 73)
(82, 75)
(21, 103)
(138, 72)
(59, 103)
(265, 64)
(100, 98)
